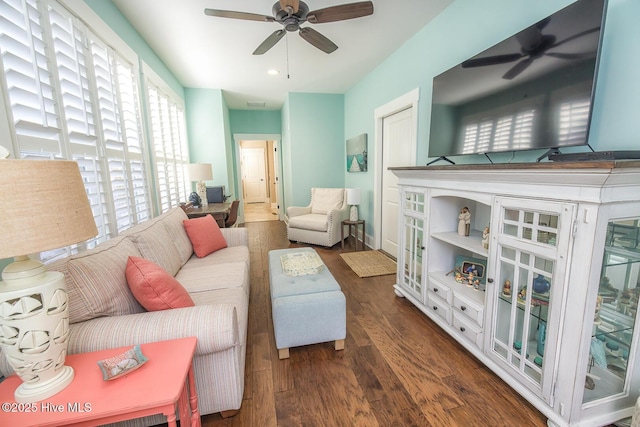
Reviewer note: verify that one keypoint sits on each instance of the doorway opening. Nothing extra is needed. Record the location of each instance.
(259, 178)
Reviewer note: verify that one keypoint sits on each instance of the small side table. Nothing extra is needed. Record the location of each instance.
(165, 380)
(355, 225)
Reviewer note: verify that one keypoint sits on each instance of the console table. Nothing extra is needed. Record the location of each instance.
(219, 211)
(155, 388)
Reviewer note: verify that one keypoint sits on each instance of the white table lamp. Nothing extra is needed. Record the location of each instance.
(44, 207)
(200, 172)
(353, 199)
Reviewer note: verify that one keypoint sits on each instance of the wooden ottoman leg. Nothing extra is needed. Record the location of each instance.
(283, 353)
(339, 345)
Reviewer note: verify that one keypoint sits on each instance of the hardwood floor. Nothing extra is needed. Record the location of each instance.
(254, 212)
(397, 369)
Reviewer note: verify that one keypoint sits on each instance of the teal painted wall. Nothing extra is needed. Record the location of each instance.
(315, 144)
(466, 28)
(255, 122)
(116, 20)
(208, 133)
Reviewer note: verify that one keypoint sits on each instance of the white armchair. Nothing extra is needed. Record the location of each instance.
(319, 223)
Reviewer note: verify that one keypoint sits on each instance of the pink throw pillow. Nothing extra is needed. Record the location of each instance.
(205, 235)
(154, 288)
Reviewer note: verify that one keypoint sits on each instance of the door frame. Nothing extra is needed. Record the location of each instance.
(408, 100)
(276, 138)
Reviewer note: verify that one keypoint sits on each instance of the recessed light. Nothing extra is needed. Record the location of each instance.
(273, 72)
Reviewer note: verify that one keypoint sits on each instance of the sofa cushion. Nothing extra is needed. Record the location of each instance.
(324, 200)
(314, 222)
(155, 245)
(177, 234)
(153, 287)
(205, 235)
(98, 286)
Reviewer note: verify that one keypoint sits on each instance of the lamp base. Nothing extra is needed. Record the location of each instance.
(34, 319)
(28, 393)
(353, 213)
(201, 189)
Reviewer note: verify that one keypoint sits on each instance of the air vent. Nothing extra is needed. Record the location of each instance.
(256, 104)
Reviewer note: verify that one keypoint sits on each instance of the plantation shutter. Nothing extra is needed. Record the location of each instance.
(73, 97)
(169, 143)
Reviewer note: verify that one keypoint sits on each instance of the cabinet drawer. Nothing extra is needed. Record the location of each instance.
(469, 309)
(467, 329)
(440, 291)
(439, 308)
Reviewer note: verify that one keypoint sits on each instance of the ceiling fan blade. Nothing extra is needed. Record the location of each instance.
(238, 15)
(570, 55)
(518, 68)
(293, 4)
(318, 40)
(269, 42)
(341, 12)
(575, 36)
(491, 60)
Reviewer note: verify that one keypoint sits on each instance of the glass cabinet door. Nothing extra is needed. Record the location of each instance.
(528, 276)
(413, 213)
(615, 313)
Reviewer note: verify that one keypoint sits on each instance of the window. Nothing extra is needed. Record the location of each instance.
(72, 96)
(169, 143)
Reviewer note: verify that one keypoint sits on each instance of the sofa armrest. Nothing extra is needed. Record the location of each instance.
(298, 210)
(235, 236)
(215, 326)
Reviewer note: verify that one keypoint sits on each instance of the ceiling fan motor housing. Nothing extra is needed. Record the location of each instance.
(290, 21)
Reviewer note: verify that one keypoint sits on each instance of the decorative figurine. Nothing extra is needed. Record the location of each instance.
(485, 238)
(470, 278)
(464, 222)
(476, 284)
(596, 316)
(506, 288)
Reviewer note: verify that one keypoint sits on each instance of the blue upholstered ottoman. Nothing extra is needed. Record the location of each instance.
(308, 308)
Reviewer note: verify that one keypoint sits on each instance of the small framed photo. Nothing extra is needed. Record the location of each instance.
(476, 266)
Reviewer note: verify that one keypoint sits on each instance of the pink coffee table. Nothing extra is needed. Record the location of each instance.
(154, 388)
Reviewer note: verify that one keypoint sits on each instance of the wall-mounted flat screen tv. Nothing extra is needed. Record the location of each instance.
(533, 90)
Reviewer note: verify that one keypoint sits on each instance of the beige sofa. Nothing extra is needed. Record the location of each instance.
(104, 314)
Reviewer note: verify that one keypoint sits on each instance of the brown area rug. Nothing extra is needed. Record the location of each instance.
(369, 263)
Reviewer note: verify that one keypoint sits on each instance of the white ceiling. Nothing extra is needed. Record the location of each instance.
(211, 52)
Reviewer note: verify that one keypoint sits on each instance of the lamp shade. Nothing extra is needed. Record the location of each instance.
(353, 196)
(44, 206)
(199, 172)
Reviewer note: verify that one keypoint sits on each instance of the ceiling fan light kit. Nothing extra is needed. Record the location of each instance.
(292, 13)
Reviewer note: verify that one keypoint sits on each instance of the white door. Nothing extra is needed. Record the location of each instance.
(254, 175)
(397, 150)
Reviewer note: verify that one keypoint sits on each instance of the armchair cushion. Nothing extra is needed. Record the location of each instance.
(315, 222)
(324, 200)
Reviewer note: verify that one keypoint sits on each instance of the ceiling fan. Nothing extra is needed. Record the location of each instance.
(534, 45)
(292, 13)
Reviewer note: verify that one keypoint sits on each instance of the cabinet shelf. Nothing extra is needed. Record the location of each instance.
(472, 243)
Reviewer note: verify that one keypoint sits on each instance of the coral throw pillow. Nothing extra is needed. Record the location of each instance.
(205, 235)
(154, 288)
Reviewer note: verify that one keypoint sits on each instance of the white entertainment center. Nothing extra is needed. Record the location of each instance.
(566, 237)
